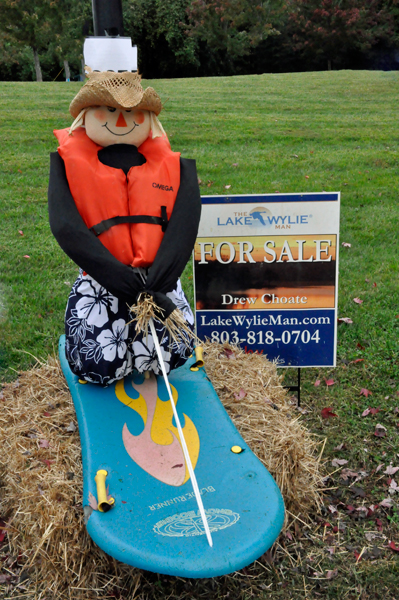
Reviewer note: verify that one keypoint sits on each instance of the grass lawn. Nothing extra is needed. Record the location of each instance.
(302, 132)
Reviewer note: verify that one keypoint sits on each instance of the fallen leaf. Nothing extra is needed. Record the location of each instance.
(339, 447)
(241, 394)
(378, 522)
(386, 503)
(46, 414)
(393, 547)
(317, 383)
(374, 411)
(227, 187)
(329, 382)
(46, 462)
(20, 232)
(234, 165)
(26, 256)
(306, 176)
(331, 574)
(357, 360)
(391, 470)
(358, 345)
(358, 556)
(375, 552)
(346, 245)
(380, 433)
(357, 300)
(374, 284)
(93, 502)
(345, 320)
(327, 412)
(71, 427)
(380, 430)
(366, 393)
(378, 468)
(345, 473)
(44, 444)
(108, 494)
(332, 509)
(338, 462)
(359, 492)
(366, 412)
(370, 536)
(229, 353)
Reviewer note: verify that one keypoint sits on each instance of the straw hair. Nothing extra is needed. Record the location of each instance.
(41, 472)
(118, 90)
(176, 325)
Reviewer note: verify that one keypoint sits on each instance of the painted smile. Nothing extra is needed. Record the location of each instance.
(119, 134)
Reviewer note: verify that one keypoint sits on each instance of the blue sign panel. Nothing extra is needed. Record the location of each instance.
(295, 337)
(265, 274)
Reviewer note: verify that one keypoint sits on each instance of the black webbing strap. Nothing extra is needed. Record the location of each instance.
(108, 223)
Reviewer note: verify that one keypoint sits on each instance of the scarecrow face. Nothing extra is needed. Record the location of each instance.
(107, 126)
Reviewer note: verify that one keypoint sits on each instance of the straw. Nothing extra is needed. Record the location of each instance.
(42, 486)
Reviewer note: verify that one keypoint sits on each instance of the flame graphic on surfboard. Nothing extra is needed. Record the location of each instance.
(157, 449)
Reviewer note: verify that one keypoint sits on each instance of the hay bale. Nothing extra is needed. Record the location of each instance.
(41, 472)
(265, 417)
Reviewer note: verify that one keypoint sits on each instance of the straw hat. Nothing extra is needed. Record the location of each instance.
(119, 90)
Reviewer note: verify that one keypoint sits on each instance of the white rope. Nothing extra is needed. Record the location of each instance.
(182, 440)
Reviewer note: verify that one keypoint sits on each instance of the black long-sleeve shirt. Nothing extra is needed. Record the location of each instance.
(87, 251)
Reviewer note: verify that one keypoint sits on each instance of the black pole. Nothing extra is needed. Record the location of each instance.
(107, 18)
(297, 388)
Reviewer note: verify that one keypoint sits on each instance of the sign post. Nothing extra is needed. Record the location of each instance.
(265, 275)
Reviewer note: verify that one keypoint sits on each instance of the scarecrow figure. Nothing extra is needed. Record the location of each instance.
(125, 209)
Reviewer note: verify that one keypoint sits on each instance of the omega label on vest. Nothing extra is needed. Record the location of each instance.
(160, 186)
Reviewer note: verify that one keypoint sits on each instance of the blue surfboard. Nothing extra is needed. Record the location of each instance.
(128, 431)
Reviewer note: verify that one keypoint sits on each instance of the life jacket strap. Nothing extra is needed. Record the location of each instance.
(108, 223)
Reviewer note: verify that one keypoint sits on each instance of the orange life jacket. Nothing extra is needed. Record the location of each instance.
(101, 193)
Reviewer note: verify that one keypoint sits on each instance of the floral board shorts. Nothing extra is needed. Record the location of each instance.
(102, 345)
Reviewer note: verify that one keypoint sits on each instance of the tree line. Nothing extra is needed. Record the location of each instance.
(43, 39)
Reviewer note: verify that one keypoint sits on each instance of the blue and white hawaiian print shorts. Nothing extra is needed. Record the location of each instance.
(101, 342)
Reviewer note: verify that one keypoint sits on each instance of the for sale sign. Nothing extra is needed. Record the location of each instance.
(265, 272)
